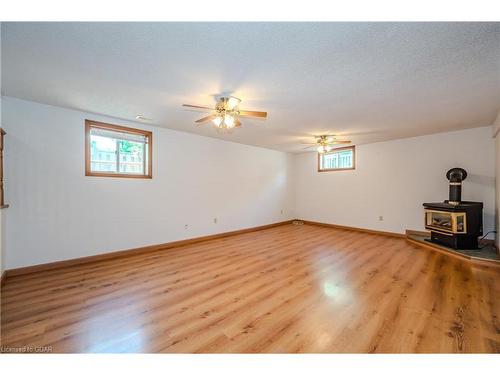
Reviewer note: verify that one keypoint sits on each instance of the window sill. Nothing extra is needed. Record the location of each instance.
(120, 175)
(336, 169)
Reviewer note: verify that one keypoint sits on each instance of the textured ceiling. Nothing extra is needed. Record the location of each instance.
(364, 81)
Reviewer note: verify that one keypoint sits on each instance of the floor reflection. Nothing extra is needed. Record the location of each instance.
(116, 330)
(120, 341)
(338, 293)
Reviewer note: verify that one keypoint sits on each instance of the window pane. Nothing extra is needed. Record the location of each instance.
(341, 159)
(132, 157)
(114, 150)
(102, 154)
(119, 135)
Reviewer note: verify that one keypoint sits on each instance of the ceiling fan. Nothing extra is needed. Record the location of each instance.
(226, 112)
(325, 143)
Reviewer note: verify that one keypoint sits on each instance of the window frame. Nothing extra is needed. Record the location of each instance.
(89, 124)
(335, 150)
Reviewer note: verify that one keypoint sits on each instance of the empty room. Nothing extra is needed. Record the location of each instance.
(262, 187)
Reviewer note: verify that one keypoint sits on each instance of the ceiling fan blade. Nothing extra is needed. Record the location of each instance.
(309, 143)
(253, 113)
(305, 148)
(197, 106)
(339, 142)
(205, 119)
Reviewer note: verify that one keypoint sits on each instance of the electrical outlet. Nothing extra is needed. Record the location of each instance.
(186, 226)
(215, 220)
(380, 218)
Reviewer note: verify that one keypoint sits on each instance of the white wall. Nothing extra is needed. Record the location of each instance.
(57, 213)
(392, 179)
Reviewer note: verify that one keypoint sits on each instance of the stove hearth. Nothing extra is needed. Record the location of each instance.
(455, 223)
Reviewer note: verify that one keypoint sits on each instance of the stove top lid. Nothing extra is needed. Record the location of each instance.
(454, 207)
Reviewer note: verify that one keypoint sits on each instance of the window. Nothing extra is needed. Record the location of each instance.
(117, 151)
(339, 159)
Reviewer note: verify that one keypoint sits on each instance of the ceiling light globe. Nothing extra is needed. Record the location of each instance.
(229, 121)
(217, 121)
(232, 102)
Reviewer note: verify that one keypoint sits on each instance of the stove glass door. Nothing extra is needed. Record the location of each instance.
(449, 222)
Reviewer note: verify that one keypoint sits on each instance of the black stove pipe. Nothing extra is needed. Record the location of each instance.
(456, 176)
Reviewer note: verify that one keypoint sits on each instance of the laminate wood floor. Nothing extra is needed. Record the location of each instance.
(286, 289)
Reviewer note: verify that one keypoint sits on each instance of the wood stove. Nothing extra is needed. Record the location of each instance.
(455, 223)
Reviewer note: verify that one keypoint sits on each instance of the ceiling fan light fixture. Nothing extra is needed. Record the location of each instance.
(229, 121)
(232, 102)
(225, 115)
(217, 121)
(324, 148)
